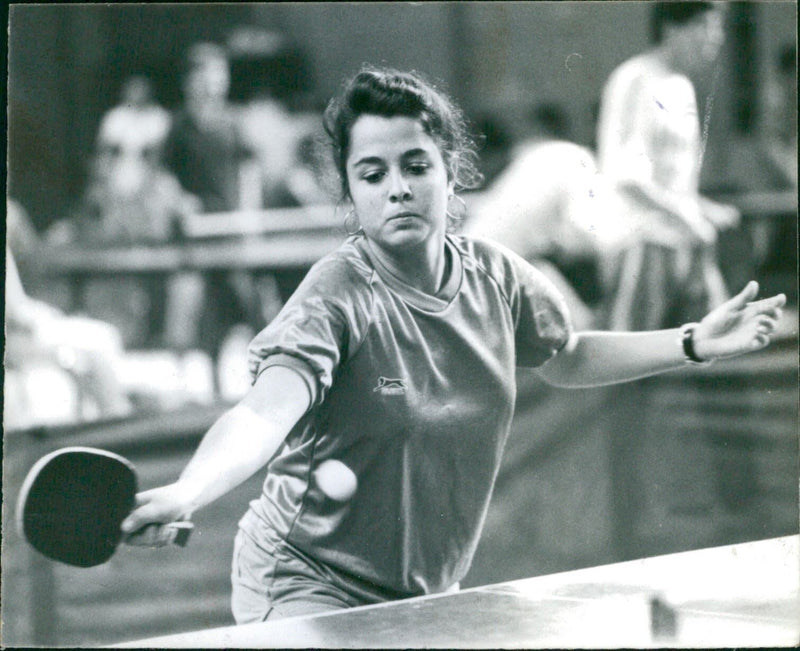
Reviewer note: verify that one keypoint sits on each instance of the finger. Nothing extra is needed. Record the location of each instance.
(760, 341)
(767, 304)
(133, 522)
(140, 517)
(777, 301)
(766, 327)
(146, 496)
(160, 535)
(134, 519)
(773, 314)
(744, 297)
(143, 498)
(151, 535)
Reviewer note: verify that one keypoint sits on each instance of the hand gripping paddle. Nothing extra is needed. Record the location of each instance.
(73, 502)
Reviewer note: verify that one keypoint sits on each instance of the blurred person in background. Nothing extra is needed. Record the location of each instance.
(780, 124)
(281, 125)
(270, 128)
(545, 206)
(131, 199)
(650, 149)
(775, 240)
(138, 122)
(765, 159)
(208, 154)
(58, 367)
(496, 143)
(204, 147)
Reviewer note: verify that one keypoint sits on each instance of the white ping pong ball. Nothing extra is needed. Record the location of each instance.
(336, 480)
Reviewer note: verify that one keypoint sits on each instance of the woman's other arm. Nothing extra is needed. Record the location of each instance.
(740, 325)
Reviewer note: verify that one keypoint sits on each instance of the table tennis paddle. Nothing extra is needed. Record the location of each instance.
(73, 502)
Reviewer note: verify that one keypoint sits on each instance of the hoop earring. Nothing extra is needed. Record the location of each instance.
(456, 218)
(351, 215)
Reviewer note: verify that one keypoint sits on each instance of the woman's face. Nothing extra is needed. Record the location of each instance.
(398, 181)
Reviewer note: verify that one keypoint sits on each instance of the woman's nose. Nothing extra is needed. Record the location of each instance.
(399, 190)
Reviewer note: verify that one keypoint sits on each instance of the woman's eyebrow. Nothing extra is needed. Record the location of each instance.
(413, 153)
(368, 160)
(377, 160)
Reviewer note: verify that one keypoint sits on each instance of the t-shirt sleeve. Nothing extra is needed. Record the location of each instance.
(542, 321)
(315, 329)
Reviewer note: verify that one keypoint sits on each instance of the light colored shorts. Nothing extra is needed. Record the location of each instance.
(271, 579)
(276, 583)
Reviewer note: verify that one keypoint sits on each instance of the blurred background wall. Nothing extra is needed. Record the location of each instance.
(67, 62)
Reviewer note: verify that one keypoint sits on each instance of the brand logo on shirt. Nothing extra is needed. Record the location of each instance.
(391, 387)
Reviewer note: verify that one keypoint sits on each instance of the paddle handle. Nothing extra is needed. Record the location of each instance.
(161, 535)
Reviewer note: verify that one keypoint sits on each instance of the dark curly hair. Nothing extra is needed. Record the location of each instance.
(389, 93)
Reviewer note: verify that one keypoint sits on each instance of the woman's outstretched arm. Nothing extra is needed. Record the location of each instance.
(237, 445)
(740, 325)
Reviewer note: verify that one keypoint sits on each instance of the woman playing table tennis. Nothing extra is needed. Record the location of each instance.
(383, 392)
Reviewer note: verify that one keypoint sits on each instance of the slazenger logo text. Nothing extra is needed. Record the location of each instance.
(390, 386)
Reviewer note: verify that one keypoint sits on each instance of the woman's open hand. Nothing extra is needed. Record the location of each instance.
(740, 325)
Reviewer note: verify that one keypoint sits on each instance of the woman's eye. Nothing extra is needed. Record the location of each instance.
(417, 168)
(372, 177)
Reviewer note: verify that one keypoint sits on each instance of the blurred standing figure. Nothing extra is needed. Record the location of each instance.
(650, 148)
(204, 148)
(781, 117)
(205, 151)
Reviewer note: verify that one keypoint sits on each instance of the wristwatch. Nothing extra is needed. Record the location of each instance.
(687, 343)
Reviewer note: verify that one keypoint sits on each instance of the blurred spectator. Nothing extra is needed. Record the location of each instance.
(545, 206)
(279, 125)
(137, 124)
(271, 132)
(650, 148)
(271, 78)
(131, 199)
(207, 152)
(780, 128)
(767, 159)
(204, 148)
(774, 241)
(58, 367)
(293, 174)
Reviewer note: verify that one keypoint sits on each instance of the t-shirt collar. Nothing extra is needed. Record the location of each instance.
(429, 302)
